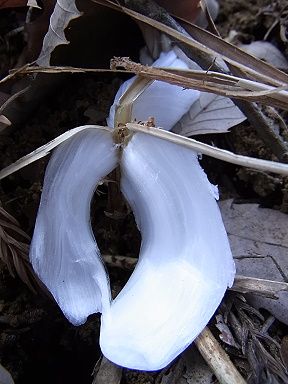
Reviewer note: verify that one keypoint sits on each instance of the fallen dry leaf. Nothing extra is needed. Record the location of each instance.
(63, 13)
(211, 113)
(36, 30)
(259, 242)
(225, 333)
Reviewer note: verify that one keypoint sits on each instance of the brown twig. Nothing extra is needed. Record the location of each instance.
(266, 288)
(221, 84)
(215, 82)
(217, 359)
(14, 73)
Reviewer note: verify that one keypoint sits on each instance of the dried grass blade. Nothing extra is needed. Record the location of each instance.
(57, 69)
(236, 54)
(267, 288)
(217, 153)
(221, 84)
(218, 83)
(43, 150)
(223, 50)
(217, 359)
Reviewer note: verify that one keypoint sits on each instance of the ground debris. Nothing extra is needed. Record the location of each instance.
(258, 339)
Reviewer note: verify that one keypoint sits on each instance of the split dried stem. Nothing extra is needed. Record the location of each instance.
(217, 153)
(207, 81)
(225, 85)
(217, 359)
(205, 149)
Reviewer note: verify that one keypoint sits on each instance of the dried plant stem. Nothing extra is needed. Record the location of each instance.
(56, 69)
(200, 75)
(14, 73)
(217, 153)
(152, 14)
(124, 108)
(200, 42)
(242, 284)
(206, 81)
(217, 359)
(205, 149)
(266, 288)
(215, 82)
(212, 82)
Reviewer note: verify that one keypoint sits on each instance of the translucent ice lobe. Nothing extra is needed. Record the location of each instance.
(185, 261)
(64, 252)
(167, 103)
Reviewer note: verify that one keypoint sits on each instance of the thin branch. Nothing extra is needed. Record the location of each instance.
(266, 288)
(223, 84)
(58, 69)
(14, 73)
(217, 153)
(217, 359)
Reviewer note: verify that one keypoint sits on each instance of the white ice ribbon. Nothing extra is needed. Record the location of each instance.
(185, 262)
(64, 253)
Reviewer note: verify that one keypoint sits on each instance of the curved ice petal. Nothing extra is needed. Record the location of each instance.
(185, 262)
(64, 252)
